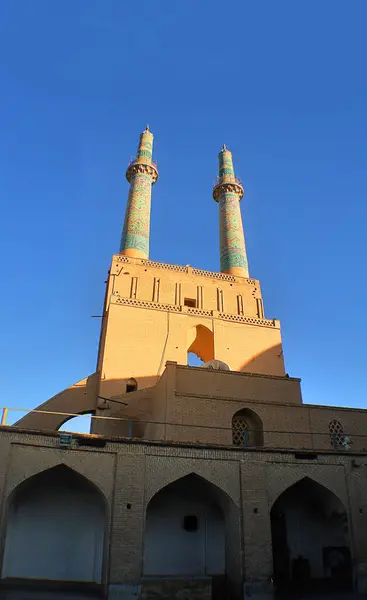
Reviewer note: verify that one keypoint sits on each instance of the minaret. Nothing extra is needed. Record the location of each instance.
(142, 173)
(228, 192)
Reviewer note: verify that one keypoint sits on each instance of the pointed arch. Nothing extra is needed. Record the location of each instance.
(56, 521)
(167, 479)
(247, 428)
(282, 483)
(192, 529)
(309, 480)
(58, 468)
(310, 537)
(200, 341)
(221, 495)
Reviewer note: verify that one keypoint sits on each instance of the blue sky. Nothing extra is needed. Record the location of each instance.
(283, 84)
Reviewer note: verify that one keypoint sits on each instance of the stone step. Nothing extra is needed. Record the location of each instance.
(19, 590)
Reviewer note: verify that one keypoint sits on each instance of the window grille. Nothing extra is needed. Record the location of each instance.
(240, 432)
(336, 433)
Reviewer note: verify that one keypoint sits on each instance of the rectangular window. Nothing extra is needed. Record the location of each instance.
(190, 302)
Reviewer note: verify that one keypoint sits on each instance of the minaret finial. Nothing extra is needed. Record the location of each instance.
(228, 191)
(142, 173)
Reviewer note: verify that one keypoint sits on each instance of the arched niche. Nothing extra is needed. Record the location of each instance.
(247, 429)
(55, 528)
(192, 530)
(200, 341)
(310, 539)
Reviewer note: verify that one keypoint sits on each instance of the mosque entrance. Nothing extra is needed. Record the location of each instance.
(310, 540)
(192, 533)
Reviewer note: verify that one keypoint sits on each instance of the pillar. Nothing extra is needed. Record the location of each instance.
(142, 173)
(228, 192)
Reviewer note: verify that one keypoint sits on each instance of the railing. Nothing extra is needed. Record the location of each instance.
(133, 160)
(306, 442)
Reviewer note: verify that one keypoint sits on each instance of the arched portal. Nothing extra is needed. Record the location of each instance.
(55, 528)
(201, 342)
(192, 531)
(310, 539)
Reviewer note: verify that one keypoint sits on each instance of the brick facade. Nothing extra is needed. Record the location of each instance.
(129, 473)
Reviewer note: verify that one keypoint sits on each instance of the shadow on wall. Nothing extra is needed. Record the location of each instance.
(270, 362)
(89, 395)
(79, 398)
(83, 399)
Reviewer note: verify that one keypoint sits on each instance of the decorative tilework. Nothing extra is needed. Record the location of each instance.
(226, 165)
(141, 174)
(228, 193)
(135, 233)
(232, 241)
(145, 147)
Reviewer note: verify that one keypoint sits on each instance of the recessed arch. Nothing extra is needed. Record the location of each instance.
(200, 341)
(192, 529)
(310, 538)
(59, 467)
(294, 476)
(167, 479)
(247, 428)
(56, 522)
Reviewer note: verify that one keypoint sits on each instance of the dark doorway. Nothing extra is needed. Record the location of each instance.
(310, 540)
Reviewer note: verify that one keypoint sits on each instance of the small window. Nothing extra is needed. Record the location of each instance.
(190, 523)
(190, 302)
(132, 385)
(336, 433)
(240, 432)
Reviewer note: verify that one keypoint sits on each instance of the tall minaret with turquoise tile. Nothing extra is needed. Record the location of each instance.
(228, 192)
(142, 173)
